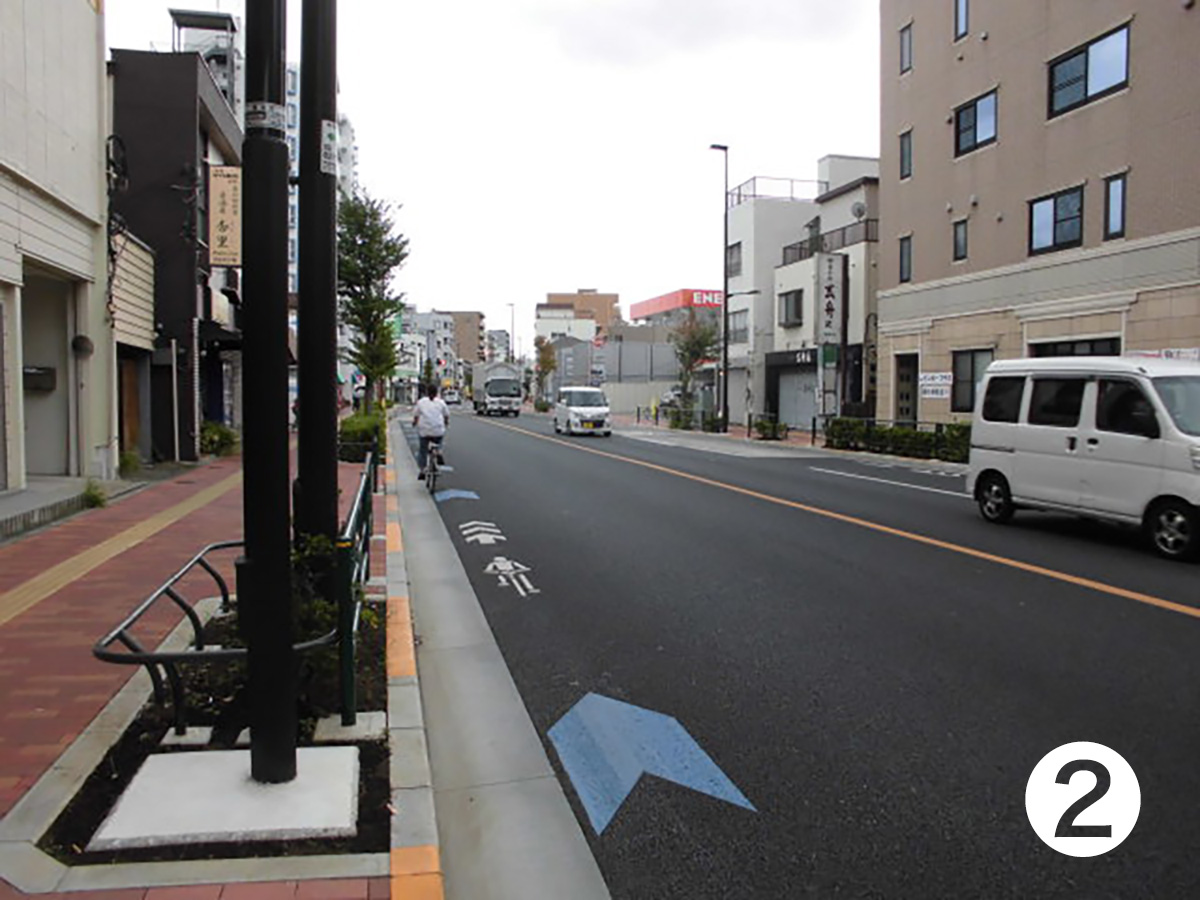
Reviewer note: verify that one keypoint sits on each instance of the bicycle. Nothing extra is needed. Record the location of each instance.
(433, 459)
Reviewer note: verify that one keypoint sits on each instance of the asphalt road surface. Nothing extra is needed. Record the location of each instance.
(875, 669)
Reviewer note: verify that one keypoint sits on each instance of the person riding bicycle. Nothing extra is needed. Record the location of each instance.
(431, 418)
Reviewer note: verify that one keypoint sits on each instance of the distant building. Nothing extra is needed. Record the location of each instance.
(669, 309)
(470, 344)
(553, 320)
(499, 345)
(601, 308)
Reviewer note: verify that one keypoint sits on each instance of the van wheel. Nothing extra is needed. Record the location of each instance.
(994, 498)
(1174, 528)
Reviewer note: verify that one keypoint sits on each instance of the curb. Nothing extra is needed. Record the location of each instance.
(415, 858)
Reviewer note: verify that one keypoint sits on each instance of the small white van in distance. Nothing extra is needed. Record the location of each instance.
(1111, 438)
(582, 410)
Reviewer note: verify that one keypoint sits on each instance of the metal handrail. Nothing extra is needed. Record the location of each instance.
(353, 562)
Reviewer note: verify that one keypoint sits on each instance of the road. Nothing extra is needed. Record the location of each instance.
(874, 668)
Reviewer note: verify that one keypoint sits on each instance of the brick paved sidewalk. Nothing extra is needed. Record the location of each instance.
(64, 587)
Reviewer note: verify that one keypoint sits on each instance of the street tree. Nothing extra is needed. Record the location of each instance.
(696, 342)
(369, 253)
(547, 362)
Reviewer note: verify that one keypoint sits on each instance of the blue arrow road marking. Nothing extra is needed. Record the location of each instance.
(443, 496)
(606, 745)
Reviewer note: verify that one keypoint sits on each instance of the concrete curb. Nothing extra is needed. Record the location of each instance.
(415, 859)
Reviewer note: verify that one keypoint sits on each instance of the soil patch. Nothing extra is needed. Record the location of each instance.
(216, 697)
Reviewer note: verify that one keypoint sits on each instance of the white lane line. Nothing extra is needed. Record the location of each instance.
(916, 487)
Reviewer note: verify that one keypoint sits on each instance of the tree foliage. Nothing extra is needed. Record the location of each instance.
(547, 362)
(369, 253)
(696, 342)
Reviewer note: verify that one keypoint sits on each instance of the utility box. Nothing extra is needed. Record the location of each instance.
(43, 379)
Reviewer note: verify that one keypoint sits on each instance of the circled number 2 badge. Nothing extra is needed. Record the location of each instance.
(1083, 799)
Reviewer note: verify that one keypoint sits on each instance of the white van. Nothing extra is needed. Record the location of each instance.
(582, 410)
(1112, 438)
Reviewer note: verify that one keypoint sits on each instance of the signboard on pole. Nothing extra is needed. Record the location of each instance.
(829, 284)
(225, 216)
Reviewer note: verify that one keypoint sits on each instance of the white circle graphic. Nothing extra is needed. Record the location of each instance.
(1083, 799)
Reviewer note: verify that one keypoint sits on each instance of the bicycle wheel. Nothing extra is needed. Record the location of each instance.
(431, 473)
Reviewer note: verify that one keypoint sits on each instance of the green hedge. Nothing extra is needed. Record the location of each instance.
(949, 442)
(217, 439)
(356, 432)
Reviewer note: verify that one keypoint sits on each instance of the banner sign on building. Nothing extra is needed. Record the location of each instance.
(830, 278)
(225, 216)
(936, 385)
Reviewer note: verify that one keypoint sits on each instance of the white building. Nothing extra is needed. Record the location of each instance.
(499, 345)
(57, 353)
(561, 320)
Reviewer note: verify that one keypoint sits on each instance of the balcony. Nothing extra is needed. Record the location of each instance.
(832, 241)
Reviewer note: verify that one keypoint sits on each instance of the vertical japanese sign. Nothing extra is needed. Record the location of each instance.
(225, 216)
(829, 283)
(329, 148)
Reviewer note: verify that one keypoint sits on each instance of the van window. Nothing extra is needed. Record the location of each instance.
(1122, 407)
(1002, 403)
(1056, 402)
(1181, 396)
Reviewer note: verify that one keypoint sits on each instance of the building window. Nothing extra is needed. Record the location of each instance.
(293, 82)
(293, 115)
(961, 18)
(292, 215)
(1090, 72)
(969, 366)
(1089, 347)
(1056, 401)
(791, 308)
(739, 326)
(1114, 207)
(1056, 222)
(292, 282)
(960, 240)
(733, 259)
(906, 154)
(291, 250)
(905, 48)
(975, 124)
(906, 258)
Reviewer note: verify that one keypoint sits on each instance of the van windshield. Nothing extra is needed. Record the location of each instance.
(584, 398)
(1181, 396)
(503, 387)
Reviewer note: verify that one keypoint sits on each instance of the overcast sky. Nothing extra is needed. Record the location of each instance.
(537, 146)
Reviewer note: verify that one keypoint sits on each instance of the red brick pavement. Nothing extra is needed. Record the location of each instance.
(51, 687)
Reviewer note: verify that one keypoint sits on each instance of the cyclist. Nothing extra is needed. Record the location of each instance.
(431, 418)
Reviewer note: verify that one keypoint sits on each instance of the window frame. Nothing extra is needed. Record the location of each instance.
(1003, 380)
(1120, 177)
(1082, 380)
(970, 387)
(733, 259)
(906, 154)
(1084, 50)
(962, 19)
(905, 272)
(1055, 245)
(906, 48)
(973, 105)
(1107, 426)
(739, 326)
(955, 227)
(791, 308)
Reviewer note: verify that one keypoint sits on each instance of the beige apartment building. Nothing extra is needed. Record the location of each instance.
(592, 304)
(470, 338)
(1039, 193)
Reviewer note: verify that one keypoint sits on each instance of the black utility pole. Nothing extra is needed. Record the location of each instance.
(317, 498)
(264, 573)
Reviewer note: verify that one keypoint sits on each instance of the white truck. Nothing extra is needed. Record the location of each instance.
(497, 389)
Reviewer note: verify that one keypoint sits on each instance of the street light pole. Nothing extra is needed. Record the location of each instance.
(724, 291)
(512, 333)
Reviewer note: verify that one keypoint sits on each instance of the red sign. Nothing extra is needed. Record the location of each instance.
(681, 299)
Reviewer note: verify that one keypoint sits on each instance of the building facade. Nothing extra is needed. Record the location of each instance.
(499, 346)
(1036, 191)
(470, 339)
(554, 320)
(175, 126)
(57, 352)
(589, 303)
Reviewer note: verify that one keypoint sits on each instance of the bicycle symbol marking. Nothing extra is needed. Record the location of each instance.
(512, 574)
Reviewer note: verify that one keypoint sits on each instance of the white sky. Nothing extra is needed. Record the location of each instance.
(537, 146)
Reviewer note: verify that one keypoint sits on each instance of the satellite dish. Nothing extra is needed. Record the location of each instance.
(859, 209)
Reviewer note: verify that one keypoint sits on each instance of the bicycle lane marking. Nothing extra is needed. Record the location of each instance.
(1031, 568)
(32, 592)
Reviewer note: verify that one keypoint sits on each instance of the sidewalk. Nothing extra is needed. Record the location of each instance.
(64, 586)
(737, 431)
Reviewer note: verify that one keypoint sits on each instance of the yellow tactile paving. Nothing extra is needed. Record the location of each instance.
(395, 543)
(422, 860)
(54, 579)
(401, 655)
(417, 887)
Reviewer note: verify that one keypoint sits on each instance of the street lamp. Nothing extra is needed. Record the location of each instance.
(512, 332)
(724, 290)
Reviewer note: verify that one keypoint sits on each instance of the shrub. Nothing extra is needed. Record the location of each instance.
(356, 434)
(541, 405)
(93, 495)
(131, 464)
(217, 439)
(956, 443)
